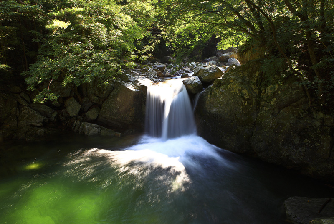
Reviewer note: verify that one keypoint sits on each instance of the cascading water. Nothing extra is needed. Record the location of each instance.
(168, 110)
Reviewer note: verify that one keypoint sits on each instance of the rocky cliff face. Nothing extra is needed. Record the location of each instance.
(90, 109)
(273, 122)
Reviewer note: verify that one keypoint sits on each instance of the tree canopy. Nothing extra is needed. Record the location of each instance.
(77, 41)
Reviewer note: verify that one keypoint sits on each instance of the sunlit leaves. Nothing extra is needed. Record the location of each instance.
(90, 40)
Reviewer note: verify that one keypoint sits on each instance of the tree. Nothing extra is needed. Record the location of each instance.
(73, 41)
(294, 36)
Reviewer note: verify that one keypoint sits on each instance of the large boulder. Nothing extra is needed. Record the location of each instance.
(271, 121)
(193, 85)
(94, 93)
(208, 74)
(124, 108)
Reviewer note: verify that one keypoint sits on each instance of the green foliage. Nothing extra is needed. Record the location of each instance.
(74, 41)
(77, 41)
(290, 37)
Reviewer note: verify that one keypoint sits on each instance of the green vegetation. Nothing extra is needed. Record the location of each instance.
(78, 41)
(287, 37)
(74, 41)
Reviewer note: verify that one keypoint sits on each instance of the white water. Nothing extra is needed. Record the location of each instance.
(168, 110)
(171, 141)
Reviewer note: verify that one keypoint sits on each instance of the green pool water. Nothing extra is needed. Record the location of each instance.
(78, 180)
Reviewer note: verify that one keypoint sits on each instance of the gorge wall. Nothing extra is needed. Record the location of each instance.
(272, 122)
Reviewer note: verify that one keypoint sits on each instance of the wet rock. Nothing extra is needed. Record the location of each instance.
(159, 67)
(208, 74)
(124, 108)
(72, 107)
(302, 210)
(193, 85)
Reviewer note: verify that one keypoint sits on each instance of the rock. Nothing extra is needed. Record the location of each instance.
(323, 221)
(224, 57)
(109, 132)
(193, 85)
(209, 74)
(30, 125)
(72, 107)
(86, 128)
(213, 59)
(44, 110)
(233, 61)
(159, 67)
(124, 108)
(30, 117)
(272, 122)
(92, 113)
(302, 210)
(90, 129)
(95, 93)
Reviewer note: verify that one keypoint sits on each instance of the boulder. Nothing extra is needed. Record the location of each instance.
(124, 108)
(95, 93)
(30, 117)
(208, 74)
(302, 210)
(44, 110)
(224, 57)
(233, 61)
(90, 129)
(193, 85)
(92, 113)
(30, 125)
(270, 121)
(159, 67)
(86, 128)
(72, 107)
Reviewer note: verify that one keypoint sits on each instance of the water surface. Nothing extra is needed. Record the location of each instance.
(141, 179)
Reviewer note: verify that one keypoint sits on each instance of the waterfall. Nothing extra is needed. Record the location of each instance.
(168, 110)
